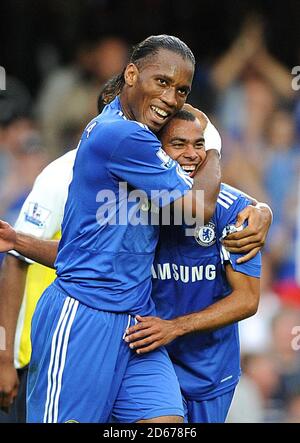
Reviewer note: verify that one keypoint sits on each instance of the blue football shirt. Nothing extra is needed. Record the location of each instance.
(188, 275)
(107, 246)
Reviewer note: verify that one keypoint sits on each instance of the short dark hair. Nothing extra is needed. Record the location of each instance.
(185, 115)
(180, 115)
(148, 47)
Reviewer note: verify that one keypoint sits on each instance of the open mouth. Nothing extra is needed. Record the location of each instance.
(159, 113)
(190, 169)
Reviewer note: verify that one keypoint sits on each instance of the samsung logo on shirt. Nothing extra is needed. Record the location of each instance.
(185, 274)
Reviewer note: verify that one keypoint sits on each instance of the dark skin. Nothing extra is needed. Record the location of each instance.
(155, 90)
(165, 86)
(165, 92)
(186, 153)
(12, 280)
(250, 240)
(160, 81)
(183, 141)
(152, 94)
(152, 332)
(41, 251)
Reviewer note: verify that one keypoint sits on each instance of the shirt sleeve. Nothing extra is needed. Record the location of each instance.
(226, 219)
(140, 161)
(42, 212)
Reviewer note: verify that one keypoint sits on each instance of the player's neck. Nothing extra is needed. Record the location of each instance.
(126, 109)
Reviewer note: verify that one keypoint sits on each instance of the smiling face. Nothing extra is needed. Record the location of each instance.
(157, 89)
(183, 141)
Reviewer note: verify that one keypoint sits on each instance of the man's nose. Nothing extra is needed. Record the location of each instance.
(190, 152)
(169, 97)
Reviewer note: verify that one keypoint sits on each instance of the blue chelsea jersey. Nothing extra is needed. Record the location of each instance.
(107, 246)
(188, 275)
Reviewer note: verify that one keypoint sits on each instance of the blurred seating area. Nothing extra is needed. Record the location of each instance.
(245, 86)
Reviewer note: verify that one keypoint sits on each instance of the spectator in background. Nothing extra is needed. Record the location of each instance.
(280, 175)
(253, 108)
(286, 358)
(25, 159)
(258, 386)
(293, 408)
(249, 51)
(256, 331)
(68, 99)
(275, 373)
(22, 153)
(247, 404)
(14, 102)
(249, 82)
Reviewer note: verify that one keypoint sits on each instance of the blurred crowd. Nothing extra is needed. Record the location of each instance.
(255, 108)
(248, 94)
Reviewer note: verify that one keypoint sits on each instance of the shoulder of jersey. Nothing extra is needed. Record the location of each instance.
(130, 123)
(227, 196)
(59, 166)
(123, 128)
(133, 124)
(113, 112)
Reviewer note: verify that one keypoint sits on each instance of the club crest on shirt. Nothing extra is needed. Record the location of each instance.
(37, 214)
(206, 235)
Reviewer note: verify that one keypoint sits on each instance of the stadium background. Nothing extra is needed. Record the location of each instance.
(57, 54)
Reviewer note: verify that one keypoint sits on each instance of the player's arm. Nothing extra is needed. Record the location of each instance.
(252, 238)
(12, 284)
(36, 249)
(138, 159)
(208, 177)
(153, 332)
(258, 215)
(208, 180)
(41, 214)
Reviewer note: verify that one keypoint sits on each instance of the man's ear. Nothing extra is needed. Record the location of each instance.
(131, 74)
